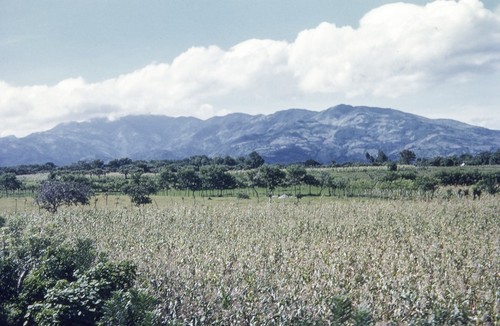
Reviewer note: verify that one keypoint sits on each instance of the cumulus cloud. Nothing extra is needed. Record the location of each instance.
(397, 49)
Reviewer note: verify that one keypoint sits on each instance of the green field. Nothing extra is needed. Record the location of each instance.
(229, 261)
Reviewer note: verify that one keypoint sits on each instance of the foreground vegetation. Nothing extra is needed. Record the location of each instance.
(325, 260)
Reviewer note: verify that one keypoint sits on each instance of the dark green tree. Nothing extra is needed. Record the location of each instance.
(215, 177)
(9, 182)
(115, 165)
(325, 181)
(270, 176)
(407, 156)
(312, 163)
(53, 194)
(381, 157)
(139, 189)
(254, 160)
(369, 158)
(295, 176)
(311, 181)
(252, 181)
(167, 179)
(189, 179)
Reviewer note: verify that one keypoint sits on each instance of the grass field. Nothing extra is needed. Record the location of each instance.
(231, 261)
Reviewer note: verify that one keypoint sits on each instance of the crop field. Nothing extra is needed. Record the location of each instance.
(228, 261)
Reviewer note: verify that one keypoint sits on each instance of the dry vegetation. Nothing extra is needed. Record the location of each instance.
(279, 263)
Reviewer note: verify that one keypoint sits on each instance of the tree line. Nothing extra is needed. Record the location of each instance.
(139, 180)
(251, 161)
(267, 180)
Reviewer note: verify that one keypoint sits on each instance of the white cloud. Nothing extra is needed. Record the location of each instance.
(397, 50)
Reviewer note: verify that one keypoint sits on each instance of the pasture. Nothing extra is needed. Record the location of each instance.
(229, 261)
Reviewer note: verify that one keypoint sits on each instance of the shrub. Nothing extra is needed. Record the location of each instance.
(343, 312)
(129, 308)
(52, 194)
(48, 281)
(392, 166)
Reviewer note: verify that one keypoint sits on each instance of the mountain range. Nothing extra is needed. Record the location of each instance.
(341, 133)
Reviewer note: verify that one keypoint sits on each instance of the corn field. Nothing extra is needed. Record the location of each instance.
(287, 262)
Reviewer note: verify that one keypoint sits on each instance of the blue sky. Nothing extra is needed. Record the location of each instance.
(76, 60)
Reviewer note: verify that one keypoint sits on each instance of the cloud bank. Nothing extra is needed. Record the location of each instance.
(397, 50)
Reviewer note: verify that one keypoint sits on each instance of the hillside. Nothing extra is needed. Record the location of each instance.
(341, 133)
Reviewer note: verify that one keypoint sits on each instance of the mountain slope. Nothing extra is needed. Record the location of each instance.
(342, 133)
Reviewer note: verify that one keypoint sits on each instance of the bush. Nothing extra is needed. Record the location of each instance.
(52, 194)
(47, 281)
(392, 166)
(343, 312)
(129, 308)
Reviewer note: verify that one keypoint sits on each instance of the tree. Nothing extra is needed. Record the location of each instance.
(116, 164)
(188, 179)
(295, 175)
(168, 178)
(426, 184)
(311, 181)
(215, 177)
(381, 157)
(325, 181)
(407, 156)
(53, 194)
(312, 163)
(270, 176)
(139, 189)
(252, 178)
(254, 160)
(369, 158)
(9, 181)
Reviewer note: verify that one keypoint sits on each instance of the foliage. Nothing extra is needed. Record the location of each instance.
(270, 176)
(254, 160)
(426, 184)
(130, 307)
(490, 183)
(295, 175)
(310, 163)
(46, 280)
(167, 179)
(215, 177)
(458, 177)
(9, 181)
(392, 166)
(139, 189)
(407, 156)
(189, 179)
(52, 194)
(381, 157)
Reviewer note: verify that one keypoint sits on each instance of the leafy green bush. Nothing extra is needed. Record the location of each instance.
(45, 280)
(131, 307)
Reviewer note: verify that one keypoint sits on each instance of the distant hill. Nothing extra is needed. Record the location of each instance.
(341, 133)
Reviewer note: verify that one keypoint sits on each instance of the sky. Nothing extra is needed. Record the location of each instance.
(77, 60)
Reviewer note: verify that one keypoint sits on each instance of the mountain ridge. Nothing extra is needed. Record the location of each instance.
(341, 133)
